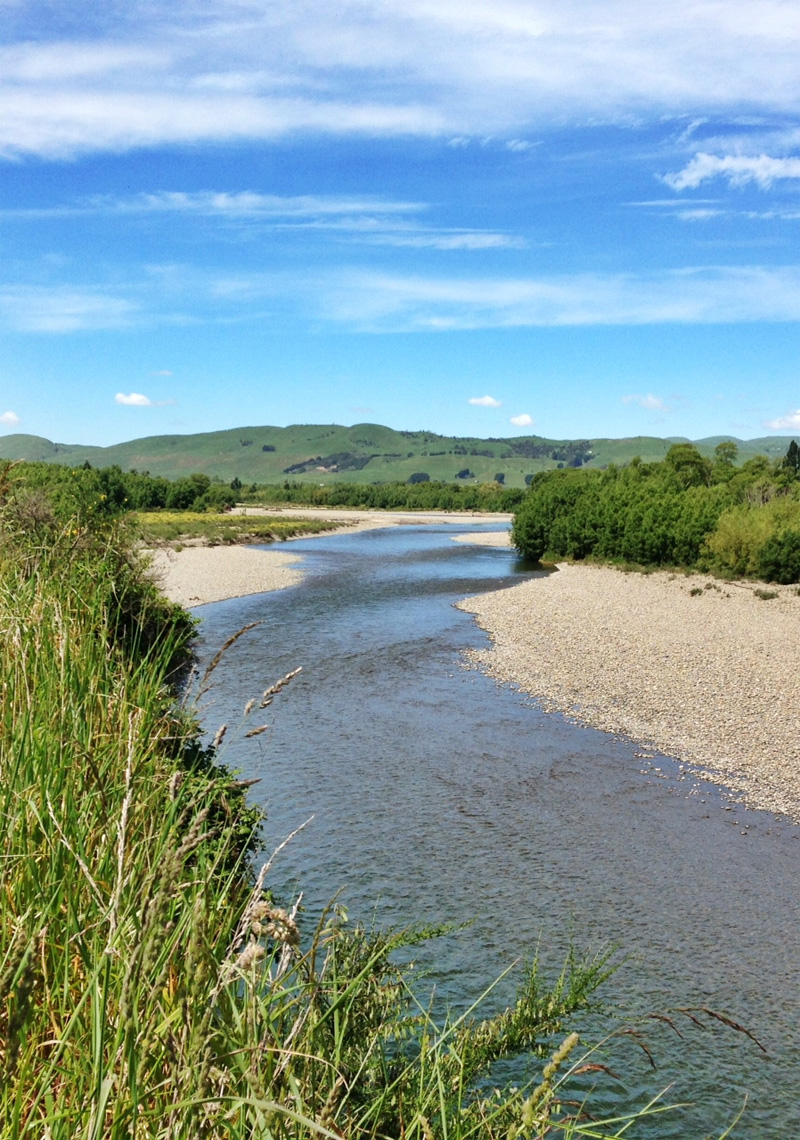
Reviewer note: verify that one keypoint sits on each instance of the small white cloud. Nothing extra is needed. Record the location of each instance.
(9, 419)
(133, 400)
(518, 145)
(162, 372)
(485, 402)
(785, 423)
(739, 169)
(650, 402)
(521, 421)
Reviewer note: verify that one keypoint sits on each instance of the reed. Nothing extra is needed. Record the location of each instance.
(150, 985)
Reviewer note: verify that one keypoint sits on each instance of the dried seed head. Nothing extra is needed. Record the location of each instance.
(175, 781)
(274, 922)
(256, 731)
(220, 735)
(269, 693)
(252, 954)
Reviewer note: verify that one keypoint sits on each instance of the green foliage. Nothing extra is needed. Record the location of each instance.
(423, 494)
(684, 511)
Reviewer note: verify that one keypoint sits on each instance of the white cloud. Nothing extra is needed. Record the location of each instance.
(785, 423)
(162, 372)
(178, 72)
(9, 419)
(133, 400)
(523, 420)
(739, 169)
(650, 402)
(485, 402)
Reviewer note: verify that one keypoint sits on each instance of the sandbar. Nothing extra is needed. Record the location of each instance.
(701, 670)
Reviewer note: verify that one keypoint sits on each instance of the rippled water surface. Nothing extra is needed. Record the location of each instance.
(440, 795)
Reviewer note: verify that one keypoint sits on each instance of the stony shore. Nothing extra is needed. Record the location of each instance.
(705, 671)
(197, 574)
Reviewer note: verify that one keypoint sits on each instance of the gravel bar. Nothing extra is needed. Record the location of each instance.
(198, 575)
(702, 670)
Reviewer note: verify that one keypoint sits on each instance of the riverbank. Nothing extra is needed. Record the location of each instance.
(702, 670)
(196, 575)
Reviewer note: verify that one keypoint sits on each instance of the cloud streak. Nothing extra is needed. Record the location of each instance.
(382, 302)
(64, 309)
(738, 169)
(360, 218)
(182, 73)
(377, 302)
(485, 402)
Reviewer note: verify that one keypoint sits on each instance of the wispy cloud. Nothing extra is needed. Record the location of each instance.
(9, 419)
(179, 72)
(523, 420)
(485, 402)
(790, 422)
(382, 302)
(650, 402)
(63, 309)
(363, 219)
(738, 169)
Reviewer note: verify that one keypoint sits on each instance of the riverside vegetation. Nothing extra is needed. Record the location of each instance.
(685, 511)
(150, 985)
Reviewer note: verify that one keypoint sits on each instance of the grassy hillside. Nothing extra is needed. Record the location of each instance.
(363, 453)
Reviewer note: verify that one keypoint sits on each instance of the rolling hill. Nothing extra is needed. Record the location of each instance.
(363, 453)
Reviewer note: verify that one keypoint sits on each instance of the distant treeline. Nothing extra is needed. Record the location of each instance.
(686, 511)
(419, 493)
(107, 491)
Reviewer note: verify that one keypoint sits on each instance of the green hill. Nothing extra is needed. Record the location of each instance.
(363, 453)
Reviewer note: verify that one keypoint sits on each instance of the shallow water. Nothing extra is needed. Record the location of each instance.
(439, 795)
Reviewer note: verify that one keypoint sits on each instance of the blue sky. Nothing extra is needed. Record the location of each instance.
(572, 218)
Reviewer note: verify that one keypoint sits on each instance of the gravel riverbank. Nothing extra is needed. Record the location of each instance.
(705, 671)
(198, 575)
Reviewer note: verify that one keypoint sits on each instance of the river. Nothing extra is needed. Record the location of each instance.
(439, 795)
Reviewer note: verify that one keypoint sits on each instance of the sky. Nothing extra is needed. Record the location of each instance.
(572, 218)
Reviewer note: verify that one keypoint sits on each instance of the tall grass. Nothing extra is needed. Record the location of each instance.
(150, 986)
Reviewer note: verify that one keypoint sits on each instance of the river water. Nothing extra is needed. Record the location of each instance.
(441, 796)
